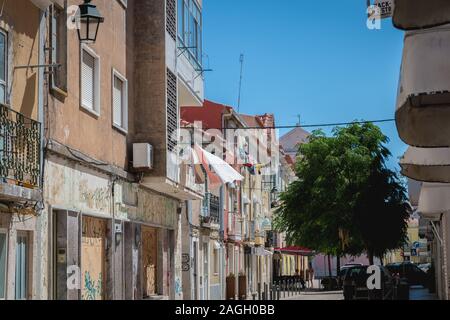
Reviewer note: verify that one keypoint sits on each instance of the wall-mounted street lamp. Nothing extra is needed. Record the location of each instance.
(89, 22)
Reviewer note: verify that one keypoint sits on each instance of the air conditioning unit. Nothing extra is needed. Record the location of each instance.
(142, 156)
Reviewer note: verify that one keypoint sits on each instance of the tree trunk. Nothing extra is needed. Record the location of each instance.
(338, 265)
(329, 272)
(371, 259)
(329, 266)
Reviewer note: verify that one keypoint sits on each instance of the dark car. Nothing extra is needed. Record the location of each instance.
(355, 284)
(343, 271)
(410, 272)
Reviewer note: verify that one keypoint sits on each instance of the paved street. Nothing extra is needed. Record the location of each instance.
(419, 293)
(416, 293)
(318, 295)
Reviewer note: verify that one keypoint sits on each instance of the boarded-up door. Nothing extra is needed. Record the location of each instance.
(149, 256)
(93, 259)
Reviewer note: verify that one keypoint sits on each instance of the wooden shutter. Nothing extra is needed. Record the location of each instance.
(88, 81)
(118, 102)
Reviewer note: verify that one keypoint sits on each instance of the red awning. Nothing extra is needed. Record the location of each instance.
(302, 251)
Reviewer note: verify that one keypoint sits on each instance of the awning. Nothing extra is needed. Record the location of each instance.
(294, 250)
(419, 14)
(427, 164)
(423, 101)
(434, 200)
(223, 170)
(260, 251)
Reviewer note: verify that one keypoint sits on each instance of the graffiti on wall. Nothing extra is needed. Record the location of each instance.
(185, 262)
(96, 198)
(92, 289)
(93, 258)
(178, 287)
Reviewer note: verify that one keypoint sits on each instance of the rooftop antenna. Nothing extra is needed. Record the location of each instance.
(299, 122)
(241, 60)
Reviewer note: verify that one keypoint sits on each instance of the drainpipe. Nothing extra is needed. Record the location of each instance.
(42, 32)
(113, 236)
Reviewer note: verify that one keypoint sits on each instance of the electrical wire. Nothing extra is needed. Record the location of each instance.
(336, 124)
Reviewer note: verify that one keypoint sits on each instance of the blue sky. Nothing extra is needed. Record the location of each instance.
(313, 58)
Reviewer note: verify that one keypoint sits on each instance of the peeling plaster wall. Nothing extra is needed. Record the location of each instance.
(35, 228)
(75, 187)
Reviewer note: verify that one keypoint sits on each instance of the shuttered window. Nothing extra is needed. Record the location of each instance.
(171, 18)
(87, 80)
(58, 29)
(172, 111)
(119, 100)
(21, 283)
(90, 84)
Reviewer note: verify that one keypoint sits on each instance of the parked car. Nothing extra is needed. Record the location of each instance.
(424, 267)
(355, 284)
(343, 271)
(410, 272)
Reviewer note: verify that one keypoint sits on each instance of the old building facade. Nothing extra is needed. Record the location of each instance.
(97, 198)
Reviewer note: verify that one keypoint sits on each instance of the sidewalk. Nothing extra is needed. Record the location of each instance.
(317, 294)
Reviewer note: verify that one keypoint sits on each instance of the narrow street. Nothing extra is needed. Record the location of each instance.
(416, 293)
(318, 295)
(213, 150)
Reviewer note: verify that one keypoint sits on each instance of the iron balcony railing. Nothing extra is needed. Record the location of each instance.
(20, 145)
(250, 236)
(211, 208)
(214, 208)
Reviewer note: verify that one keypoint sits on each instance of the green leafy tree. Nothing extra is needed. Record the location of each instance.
(345, 201)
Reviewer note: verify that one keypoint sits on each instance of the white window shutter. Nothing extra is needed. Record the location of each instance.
(88, 81)
(118, 104)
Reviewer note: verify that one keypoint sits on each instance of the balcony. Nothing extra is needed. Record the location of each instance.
(250, 235)
(423, 102)
(20, 147)
(189, 182)
(417, 14)
(260, 238)
(211, 212)
(214, 208)
(235, 230)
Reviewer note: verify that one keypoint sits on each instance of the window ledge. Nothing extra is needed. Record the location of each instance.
(120, 129)
(90, 111)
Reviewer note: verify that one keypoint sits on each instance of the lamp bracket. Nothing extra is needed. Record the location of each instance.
(50, 66)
